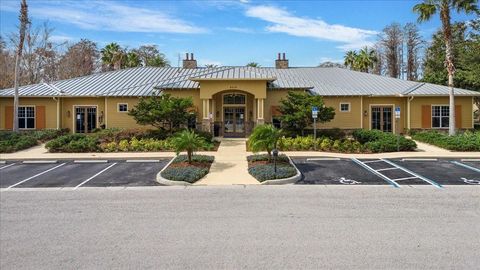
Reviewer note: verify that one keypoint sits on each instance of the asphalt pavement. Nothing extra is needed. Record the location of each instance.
(237, 227)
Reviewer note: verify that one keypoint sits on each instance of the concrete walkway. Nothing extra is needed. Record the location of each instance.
(230, 166)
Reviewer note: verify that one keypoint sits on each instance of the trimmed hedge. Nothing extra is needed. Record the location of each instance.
(12, 142)
(191, 173)
(467, 141)
(376, 141)
(73, 143)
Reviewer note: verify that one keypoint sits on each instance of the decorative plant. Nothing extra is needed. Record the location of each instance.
(264, 138)
(188, 140)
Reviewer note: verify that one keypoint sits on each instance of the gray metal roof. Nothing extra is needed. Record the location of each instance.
(143, 81)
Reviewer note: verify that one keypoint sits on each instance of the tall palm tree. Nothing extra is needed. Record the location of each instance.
(425, 11)
(21, 38)
(132, 60)
(112, 56)
(350, 59)
(366, 59)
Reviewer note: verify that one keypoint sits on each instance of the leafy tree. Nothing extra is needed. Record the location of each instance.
(253, 64)
(162, 111)
(264, 138)
(296, 111)
(150, 56)
(425, 11)
(112, 56)
(79, 60)
(188, 140)
(391, 40)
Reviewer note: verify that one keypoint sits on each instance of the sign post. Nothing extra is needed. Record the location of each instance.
(314, 116)
(397, 118)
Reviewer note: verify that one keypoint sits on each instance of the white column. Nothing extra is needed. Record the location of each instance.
(260, 111)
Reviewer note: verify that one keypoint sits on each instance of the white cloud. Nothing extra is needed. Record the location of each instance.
(111, 16)
(240, 30)
(284, 22)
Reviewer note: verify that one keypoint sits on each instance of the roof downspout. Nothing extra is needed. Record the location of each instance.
(105, 115)
(408, 112)
(361, 111)
(58, 111)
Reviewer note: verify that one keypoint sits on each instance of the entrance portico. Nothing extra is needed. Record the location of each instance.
(232, 107)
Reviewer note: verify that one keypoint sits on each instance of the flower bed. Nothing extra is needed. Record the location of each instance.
(362, 141)
(262, 169)
(467, 141)
(118, 140)
(12, 142)
(180, 170)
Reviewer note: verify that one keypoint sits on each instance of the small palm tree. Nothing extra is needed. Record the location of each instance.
(188, 140)
(253, 64)
(425, 11)
(132, 60)
(264, 138)
(350, 59)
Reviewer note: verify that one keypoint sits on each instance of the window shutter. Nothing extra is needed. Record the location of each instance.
(458, 116)
(9, 117)
(39, 117)
(426, 116)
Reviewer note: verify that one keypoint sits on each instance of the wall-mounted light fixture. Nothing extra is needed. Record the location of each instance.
(100, 117)
(68, 114)
(365, 113)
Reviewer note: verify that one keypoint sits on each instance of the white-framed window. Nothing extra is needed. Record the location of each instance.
(231, 99)
(122, 107)
(345, 107)
(26, 117)
(440, 116)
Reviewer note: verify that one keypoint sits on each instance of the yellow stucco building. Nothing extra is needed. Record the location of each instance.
(232, 100)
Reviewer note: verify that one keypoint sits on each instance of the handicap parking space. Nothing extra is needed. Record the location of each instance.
(77, 174)
(444, 171)
(15, 172)
(327, 171)
(392, 173)
(129, 174)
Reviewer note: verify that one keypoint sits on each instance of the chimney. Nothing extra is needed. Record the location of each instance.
(281, 62)
(189, 62)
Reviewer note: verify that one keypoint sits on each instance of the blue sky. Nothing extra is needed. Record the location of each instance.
(224, 32)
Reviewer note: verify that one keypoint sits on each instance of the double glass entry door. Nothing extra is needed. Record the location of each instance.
(234, 121)
(85, 119)
(382, 118)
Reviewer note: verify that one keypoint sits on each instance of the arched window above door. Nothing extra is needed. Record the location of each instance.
(234, 99)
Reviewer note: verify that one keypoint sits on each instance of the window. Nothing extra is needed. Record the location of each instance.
(440, 116)
(234, 99)
(344, 107)
(26, 117)
(276, 122)
(122, 107)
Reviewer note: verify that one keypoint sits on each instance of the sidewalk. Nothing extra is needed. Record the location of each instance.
(230, 166)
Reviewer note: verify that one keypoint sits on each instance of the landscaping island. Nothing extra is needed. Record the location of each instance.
(181, 172)
(262, 167)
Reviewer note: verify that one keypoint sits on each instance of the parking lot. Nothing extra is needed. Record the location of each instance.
(436, 172)
(79, 173)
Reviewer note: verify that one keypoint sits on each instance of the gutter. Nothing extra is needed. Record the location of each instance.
(409, 99)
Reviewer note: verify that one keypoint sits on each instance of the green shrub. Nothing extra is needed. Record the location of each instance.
(189, 174)
(207, 136)
(195, 158)
(264, 157)
(73, 143)
(266, 171)
(467, 141)
(365, 135)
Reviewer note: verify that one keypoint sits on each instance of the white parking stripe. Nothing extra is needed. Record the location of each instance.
(2, 162)
(404, 178)
(31, 177)
(95, 175)
(431, 182)
(6, 166)
(470, 160)
(39, 161)
(142, 160)
(323, 159)
(466, 166)
(365, 166)
(90, 161)
(387, 169)
(419, 159)
(371, 161)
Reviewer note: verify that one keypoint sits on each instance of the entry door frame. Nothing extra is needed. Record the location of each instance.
(235, 134)
(394, 120)
(74, 116)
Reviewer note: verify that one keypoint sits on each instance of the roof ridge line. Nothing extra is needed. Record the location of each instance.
(413, 88)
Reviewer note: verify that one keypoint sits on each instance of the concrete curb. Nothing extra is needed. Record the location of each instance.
(166, 182)
(284, 181)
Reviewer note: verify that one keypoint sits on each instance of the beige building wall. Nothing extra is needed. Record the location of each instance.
(117, 119)
(273, 99)
(50, 109)
(347, 120)
(398, 125)
(466, 104)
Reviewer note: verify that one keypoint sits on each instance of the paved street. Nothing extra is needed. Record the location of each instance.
(237, 227)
